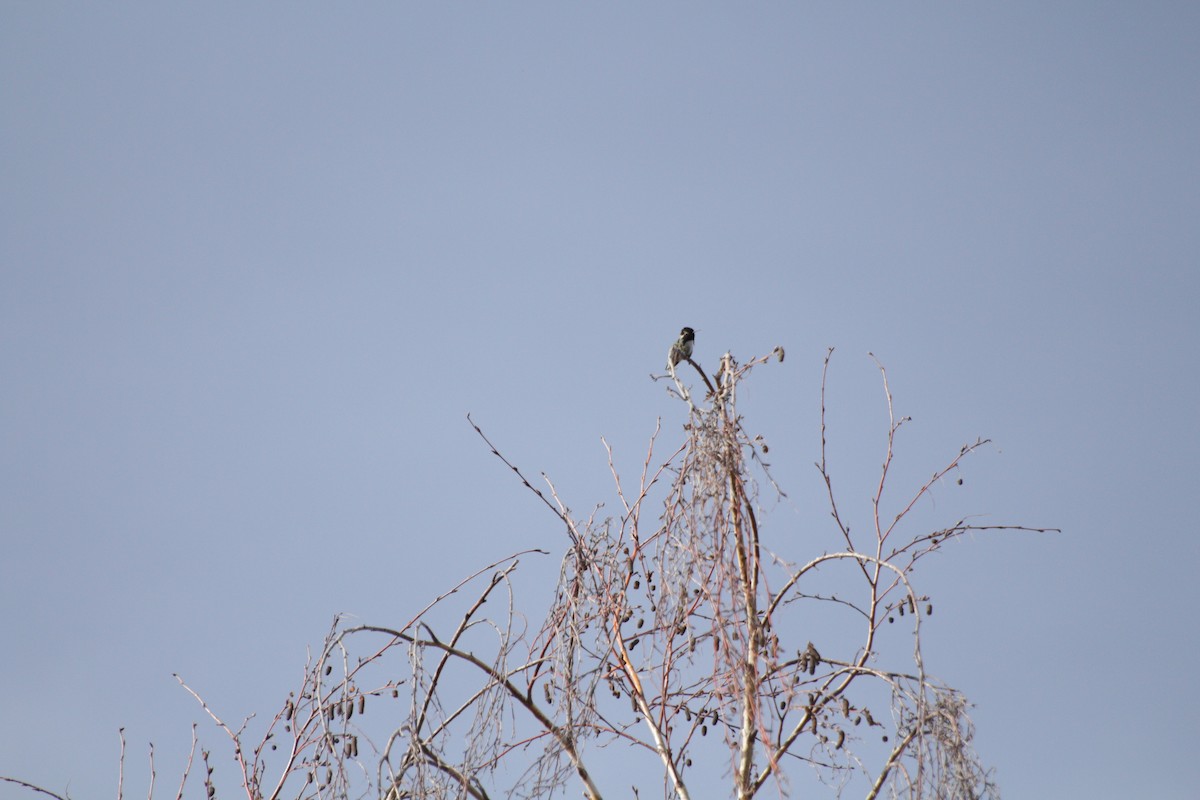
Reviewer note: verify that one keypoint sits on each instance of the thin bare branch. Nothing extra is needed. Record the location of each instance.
(32, 788)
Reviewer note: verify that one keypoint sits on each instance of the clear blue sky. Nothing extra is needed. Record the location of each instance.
(257, 263)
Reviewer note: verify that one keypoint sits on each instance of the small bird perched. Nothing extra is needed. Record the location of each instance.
(682, 348)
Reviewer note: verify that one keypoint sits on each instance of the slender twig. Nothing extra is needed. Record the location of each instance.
(893, 758)
(239, 756)
(121, 767)
(33, 788)
(188, 767)
(150, 793)
(525, 481)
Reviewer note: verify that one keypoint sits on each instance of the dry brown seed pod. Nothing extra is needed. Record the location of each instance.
(929, 610)
(841, 739)
(362, 703)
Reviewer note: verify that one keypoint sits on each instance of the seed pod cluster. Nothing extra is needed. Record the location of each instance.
(809, 659)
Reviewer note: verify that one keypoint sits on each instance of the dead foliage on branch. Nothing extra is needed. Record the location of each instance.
(683, 641)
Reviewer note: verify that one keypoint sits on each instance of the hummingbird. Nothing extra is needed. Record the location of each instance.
(682, 348)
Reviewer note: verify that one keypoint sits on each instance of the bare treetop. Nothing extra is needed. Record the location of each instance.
(686, 638)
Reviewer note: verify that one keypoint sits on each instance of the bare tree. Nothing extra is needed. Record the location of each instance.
(681, 636)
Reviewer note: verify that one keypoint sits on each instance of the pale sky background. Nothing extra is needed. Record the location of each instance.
(258, 262)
